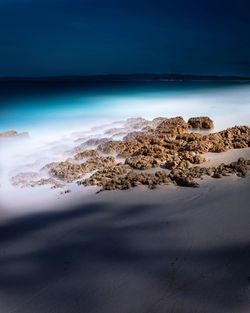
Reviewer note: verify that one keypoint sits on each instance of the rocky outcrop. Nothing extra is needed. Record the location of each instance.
(121, 177)
(202, 122)
(164, 143)
(239, 168)
(69, 172)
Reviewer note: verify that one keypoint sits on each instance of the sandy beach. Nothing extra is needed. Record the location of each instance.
(124, 156)
(172, 249)
(155, 222)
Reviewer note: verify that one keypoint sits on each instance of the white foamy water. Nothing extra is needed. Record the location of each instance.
(54, 130)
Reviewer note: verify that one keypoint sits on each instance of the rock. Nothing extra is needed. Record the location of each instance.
(175, 125)
(182, 179)
(143, 162)
(70, 172)
(67, 171)
(8, 133)
(202, 122)
(162, 143)
(84, 154)
(126, 179)
(13, 134)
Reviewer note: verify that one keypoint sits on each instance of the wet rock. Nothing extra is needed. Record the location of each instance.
(175, 125)
(183, 178)
(67, 171)
(96, 163)
(141, 162)
(126, 179)
(84, 154)
(202, 122)
(163, 142)
(240, 167)
(111, 146)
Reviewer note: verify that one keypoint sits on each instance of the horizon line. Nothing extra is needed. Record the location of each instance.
(156, 75)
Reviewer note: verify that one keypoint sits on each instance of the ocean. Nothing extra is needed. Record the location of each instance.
(54, 108)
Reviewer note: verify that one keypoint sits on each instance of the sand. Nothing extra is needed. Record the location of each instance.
(172, 249)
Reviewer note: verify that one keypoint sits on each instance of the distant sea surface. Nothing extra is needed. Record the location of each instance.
(43, 108)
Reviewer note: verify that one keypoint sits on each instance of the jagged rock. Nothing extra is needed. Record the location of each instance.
(239, 168)
(126, 178)
(87, 154)
(67, 171)
(143, 162)
(163, 142)
(70, 172)
(184, 181)
(175, 125)
(202, 122)
(111, 146)
(95, 163)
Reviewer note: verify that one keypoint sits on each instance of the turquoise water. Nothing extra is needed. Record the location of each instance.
(44, 108)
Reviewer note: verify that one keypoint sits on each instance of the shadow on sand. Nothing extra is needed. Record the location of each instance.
(100, 258)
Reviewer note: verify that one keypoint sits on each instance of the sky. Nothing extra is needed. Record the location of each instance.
(85, 37)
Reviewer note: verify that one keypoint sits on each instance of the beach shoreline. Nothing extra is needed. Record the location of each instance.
(170, 249)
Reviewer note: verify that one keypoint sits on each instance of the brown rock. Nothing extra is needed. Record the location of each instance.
(84, 154)
(202, 122)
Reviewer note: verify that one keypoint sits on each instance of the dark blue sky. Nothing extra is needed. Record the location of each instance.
(66, 37)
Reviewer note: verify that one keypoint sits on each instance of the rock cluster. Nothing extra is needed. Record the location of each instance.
(239, 168)
(122, 177)
(69, 172)
(166, 144)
